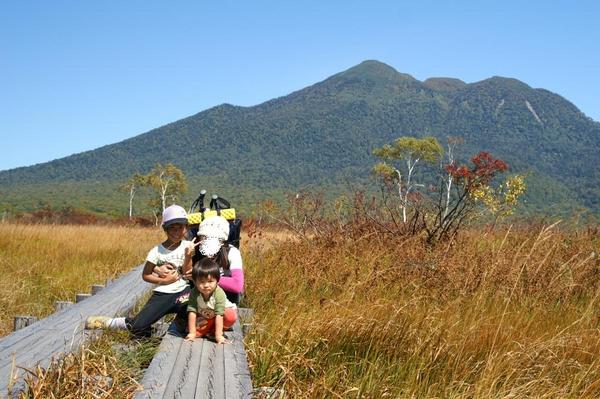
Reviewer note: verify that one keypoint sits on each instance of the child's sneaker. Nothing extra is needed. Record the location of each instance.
(96, 322)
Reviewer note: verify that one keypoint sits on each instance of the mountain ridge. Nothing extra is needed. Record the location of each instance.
(323, 133)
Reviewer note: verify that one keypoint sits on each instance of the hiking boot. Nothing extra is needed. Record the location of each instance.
(96, 322)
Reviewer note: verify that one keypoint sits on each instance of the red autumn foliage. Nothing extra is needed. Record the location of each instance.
(484, 168)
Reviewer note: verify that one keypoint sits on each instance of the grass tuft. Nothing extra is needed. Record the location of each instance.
(109, 367)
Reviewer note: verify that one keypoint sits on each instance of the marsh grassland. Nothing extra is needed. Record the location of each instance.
(45, 263)
(361, 314)
(514, 313)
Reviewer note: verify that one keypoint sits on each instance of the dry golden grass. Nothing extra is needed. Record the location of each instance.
(509, 314)
(45, 263)
(107, 368)
(498, 315)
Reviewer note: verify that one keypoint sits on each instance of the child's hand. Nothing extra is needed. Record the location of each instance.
(170, 278)
(191, 336)
(189, 250)
(165, 269)
(188, 275)
(222, 340)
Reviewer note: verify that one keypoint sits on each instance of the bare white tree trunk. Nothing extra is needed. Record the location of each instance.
(409, 186)
(402, 203)
(448, 187)
(451, 145)
(164, 186)
(131, 194)
(163, 198)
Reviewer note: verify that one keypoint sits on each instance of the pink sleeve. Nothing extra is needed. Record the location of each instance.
(235, 283)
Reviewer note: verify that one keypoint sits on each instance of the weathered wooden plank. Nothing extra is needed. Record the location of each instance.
(243, 370)
(159, 329)
(180, 370)
(219, 370)
(63, 332)
(71, 320)
(230, 376)
(188, 370)
(202, 384)
(158, 373)
(201, 370)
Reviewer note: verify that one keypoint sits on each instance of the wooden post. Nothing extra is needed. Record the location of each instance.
(159, 329)
(245, 315)
(23, 321)
(96, 288)
(81, 297)
(60, 305)
(246, 327)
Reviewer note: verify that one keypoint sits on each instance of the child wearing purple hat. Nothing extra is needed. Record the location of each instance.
(171, 292)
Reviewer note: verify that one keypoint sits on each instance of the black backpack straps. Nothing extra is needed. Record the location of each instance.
(223, 203)
(214, 204)
(217, 203)
(199, 202)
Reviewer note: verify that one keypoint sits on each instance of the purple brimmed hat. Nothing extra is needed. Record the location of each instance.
(174, 214)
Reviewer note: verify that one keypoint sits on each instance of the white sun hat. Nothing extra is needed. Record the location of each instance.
(174, 214)
(214, 227)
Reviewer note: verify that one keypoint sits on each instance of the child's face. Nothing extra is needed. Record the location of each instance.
(176, 231)
(209, 247)
(206, 285)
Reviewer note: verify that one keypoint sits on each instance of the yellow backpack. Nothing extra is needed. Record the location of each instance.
(217, 207)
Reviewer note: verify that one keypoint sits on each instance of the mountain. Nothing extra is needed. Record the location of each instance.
(324, 134)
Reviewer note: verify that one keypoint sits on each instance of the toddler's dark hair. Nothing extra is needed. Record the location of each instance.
(206, 267)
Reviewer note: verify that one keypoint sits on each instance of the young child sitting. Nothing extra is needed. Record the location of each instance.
(209, 311)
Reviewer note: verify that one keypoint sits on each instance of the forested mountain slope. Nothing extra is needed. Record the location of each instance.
(324, 134)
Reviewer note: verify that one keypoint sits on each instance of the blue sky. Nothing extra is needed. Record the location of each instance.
(77, 75)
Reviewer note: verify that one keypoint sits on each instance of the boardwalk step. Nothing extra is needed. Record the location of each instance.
(81, 297)
(23, 321)
(60, 305)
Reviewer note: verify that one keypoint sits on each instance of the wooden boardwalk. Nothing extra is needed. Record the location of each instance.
(63, 332)
(199, 370)
(180, 369)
